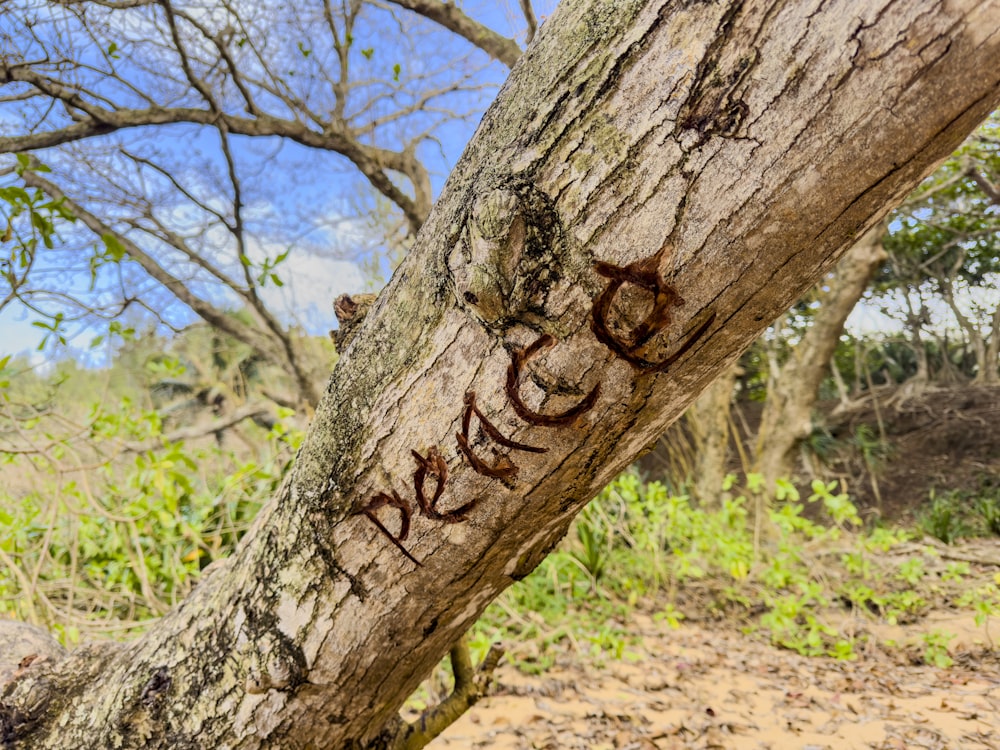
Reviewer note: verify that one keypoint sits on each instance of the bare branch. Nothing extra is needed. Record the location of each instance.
(529, 18)
(452, 18)
(370, 160)
(306, 386)
(989, 189)
(115, 4)
(247, 411)
(176, 286)
(470, 687)
(195, 82)
(219, 42)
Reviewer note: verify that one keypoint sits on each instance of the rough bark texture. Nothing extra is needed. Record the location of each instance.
(742, 146)
(791, 395)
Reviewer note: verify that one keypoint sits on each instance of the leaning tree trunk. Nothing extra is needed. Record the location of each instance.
(656, 182)
(792, 393)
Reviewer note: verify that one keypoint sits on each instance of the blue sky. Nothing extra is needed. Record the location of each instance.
(296, 197)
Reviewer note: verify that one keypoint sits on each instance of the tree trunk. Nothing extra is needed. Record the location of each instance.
(990, 375)
(709, 418)
(640, 153)
(791, 395)
(975, 337)
(915, 319)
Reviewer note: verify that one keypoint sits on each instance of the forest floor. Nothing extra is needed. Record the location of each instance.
(937, 441)
(892, 449)
(715, 687)
(712, 684)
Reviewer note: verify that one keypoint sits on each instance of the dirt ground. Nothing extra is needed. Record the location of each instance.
(711, 686)
(937, 440)
(695, 687)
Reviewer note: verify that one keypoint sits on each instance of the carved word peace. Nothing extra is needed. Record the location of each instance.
(644, 274)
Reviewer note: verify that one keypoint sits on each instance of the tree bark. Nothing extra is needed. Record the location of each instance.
(792, 393)
(641, 153)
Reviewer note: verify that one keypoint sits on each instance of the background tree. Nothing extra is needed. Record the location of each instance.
(624, 210)
(939, 282)
(794, 384)
(159, 125)
(944, 260)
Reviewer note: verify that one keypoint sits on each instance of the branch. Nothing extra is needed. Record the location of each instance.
(306, 387)
(470, 687)
(205, 310)
(114, 4)
(247, 411)
(172, 238)
(370, 160)
(985, 185)
(223, 51)
(529, 18)
(452, 18)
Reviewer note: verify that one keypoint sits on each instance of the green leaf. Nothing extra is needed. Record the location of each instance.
(367, 52)
(24, 164)
(396, 69)
(115, 249)
(44, 228)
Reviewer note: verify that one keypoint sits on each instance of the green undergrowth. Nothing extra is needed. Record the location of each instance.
(98, 536)
(814, 586)
(959, 514)
(105, 524)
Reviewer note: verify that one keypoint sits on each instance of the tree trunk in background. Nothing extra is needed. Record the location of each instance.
(792, 392)
(915, 318)
(708, 421)
(986, 368)
(721, 153)
(990, 374)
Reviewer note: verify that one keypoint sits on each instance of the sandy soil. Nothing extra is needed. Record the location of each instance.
(700, 688)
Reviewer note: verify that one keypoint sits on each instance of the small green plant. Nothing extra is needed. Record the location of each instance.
(911, 571)
(985, 603)
(988, 508)
(956, 571)
(637, 537)
(936, 648)
(670, 615)
(127, 541)
(874, 450)
(900, 606)
(592, 530)
(944, 518)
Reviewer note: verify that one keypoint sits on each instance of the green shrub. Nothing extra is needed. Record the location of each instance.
(945, 518)
(108, 545)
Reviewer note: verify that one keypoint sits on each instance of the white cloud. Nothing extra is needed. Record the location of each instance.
(17, 335)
